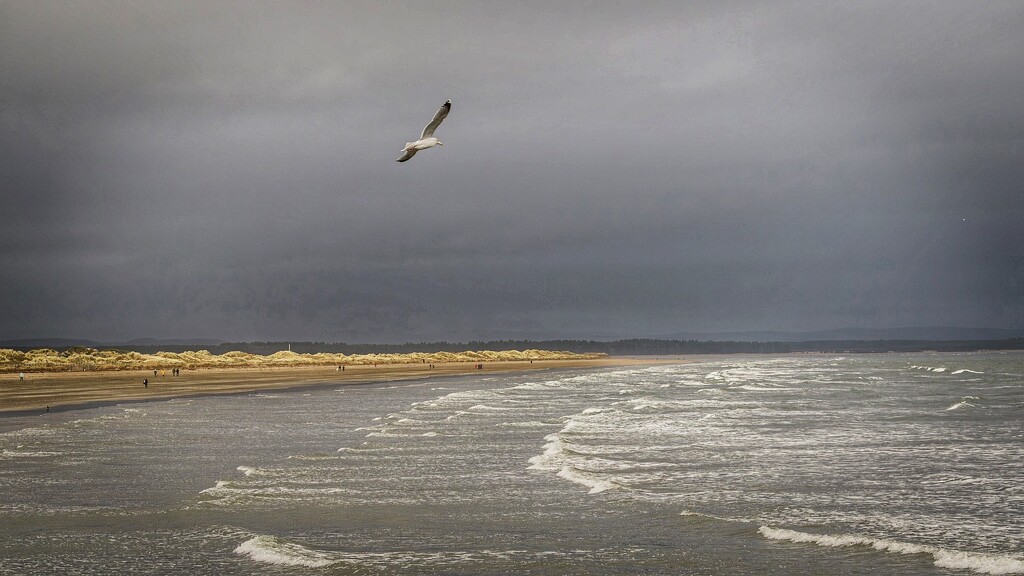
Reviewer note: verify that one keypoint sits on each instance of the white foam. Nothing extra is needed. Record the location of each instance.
(980, 563)
(526, 424)
(646, 403)
(930, 368)
(271, 550)
(486, 408)
(313, 457)
(247, 470)
(551, 457)
(28, 454)
(387, 435)
(535, 386)
(756, 388)
(711, 516)
(555, 458)
(964, 402)
(596, 485)
(962, 370)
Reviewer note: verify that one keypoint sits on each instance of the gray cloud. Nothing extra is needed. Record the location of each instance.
(187, 169)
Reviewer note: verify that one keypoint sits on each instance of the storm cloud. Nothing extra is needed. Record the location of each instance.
(226, 170)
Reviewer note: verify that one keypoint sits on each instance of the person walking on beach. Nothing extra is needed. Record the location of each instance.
(21, 375)
(145, 382)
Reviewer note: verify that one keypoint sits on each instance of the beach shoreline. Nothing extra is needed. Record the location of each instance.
(62, 391)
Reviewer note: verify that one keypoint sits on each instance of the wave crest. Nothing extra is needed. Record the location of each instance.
(980, 563)
(271, 550)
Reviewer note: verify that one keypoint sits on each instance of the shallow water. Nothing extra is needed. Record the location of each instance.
(864, 464)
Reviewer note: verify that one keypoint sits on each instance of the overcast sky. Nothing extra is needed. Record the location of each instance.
(227, 170)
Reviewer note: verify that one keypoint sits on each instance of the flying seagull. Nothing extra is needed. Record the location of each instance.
(427, 139)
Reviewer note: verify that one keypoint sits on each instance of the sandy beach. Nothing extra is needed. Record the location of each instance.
(64, 390)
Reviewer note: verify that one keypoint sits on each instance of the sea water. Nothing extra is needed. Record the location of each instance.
(797, 464)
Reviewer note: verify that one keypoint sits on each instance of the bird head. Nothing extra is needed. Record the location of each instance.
(439, 143)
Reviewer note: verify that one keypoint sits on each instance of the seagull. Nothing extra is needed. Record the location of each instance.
(427, 139)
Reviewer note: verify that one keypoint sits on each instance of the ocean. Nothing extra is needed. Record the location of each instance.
(777, 465)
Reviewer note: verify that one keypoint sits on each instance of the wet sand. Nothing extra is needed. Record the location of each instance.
(64, 390)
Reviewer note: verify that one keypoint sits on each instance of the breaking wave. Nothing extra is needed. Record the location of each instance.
(955, 559)
(248, 470)
(592, 481)
(271, 550)
(963, 403)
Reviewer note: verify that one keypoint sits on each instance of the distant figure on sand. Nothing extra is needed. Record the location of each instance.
(21, 375)
(145, 382)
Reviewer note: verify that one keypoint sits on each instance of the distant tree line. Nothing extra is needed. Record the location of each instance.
(907, 345)
(631, 347)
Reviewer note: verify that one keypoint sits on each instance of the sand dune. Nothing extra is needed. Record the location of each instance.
(89, 359)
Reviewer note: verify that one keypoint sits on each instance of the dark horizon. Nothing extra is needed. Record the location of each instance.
(909, 338)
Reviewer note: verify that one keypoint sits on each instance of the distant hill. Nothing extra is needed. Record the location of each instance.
(173, 342)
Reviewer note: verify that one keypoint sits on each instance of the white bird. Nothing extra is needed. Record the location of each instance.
(427, 139)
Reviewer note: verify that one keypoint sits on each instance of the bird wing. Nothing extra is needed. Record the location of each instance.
(442, 113)
(408, 154)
